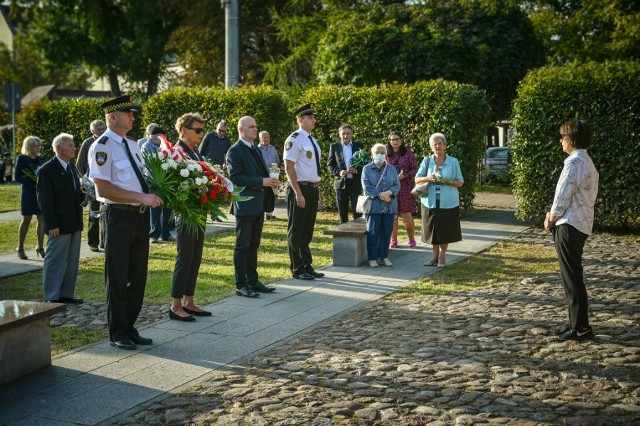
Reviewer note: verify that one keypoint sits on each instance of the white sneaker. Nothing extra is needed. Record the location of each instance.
(373, 263)
(387, 262)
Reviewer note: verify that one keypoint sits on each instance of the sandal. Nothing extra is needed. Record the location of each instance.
(432, 262)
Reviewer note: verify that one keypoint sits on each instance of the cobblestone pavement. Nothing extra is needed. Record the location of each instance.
(483, 357)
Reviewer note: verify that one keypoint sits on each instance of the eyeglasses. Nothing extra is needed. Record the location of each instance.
(198, 130)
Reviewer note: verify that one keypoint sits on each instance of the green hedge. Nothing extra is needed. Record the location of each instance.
(47, 119)
(269, 107)
(460, 111)
(607, 96)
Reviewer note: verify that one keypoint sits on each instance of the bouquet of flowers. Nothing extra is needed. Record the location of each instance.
(191, 189)
(361, 158)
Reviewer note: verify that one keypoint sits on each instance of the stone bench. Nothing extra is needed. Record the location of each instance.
(349, 243)
(25, 337)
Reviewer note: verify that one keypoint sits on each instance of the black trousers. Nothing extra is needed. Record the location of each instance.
(245, 255)
(300, 227)
(185, 272)
(93, 228)
(126, 261)
(569, 246)
(352, 188)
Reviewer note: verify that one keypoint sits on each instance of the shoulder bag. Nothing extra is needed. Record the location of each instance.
(422, 190)
(364, 201)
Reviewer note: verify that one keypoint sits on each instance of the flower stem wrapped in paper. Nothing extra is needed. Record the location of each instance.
(360, 159)
(191, 189)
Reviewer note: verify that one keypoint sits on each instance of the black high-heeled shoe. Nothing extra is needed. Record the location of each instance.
(40, 252)
(21, 254)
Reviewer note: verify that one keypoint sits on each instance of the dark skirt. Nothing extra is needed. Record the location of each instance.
(440, 226)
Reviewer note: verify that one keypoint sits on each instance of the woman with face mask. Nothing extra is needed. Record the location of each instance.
(380, 183)
(440, 208)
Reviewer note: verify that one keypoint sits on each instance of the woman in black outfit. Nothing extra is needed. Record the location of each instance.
(190, 244)
(27, 166)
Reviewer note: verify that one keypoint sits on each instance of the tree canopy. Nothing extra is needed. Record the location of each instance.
(114, 39)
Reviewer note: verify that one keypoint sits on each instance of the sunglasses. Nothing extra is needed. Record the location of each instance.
(198, 130)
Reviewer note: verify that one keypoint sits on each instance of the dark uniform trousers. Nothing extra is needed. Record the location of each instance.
(569, 246)
(126, 273)
(352, 188)
(185, 272)
(93, 231)
(300, 227)
(245, 255)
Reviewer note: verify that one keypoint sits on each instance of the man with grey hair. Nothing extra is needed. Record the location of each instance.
(270, 156)
(94, 237)
(148, 132)
(60, 199)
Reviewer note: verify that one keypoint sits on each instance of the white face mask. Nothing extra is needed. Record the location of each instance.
(378, 158)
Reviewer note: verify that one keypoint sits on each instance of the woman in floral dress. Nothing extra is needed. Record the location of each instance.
(405, 163)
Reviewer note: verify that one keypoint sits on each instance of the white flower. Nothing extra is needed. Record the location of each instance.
(191, 166)
(197, 167)
(165, 166)
(172, 163)
(184, 173)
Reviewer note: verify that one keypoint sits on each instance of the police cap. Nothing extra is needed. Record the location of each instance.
(304, 110)
(122, 103)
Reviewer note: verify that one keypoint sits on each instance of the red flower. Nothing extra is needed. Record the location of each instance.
(204, 198)
(212, 195)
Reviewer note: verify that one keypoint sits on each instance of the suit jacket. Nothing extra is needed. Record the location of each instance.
(247, 169)
(336, 163)
(59, 200)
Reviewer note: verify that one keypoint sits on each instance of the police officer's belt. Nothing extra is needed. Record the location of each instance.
(312, 184)
(129, 207)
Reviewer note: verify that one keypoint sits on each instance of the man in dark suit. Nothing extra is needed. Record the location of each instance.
(246, 169)
(60, 199)
(94, 237)
(346, 181)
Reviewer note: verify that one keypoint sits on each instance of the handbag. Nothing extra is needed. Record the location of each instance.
(364, 201)
(422, 190)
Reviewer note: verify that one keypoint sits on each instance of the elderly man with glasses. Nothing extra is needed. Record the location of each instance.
(214, 147)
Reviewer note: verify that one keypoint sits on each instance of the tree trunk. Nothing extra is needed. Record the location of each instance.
(115, 85)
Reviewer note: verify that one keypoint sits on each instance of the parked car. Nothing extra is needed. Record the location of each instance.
(495, 164)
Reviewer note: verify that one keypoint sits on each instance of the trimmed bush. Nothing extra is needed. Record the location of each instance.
(47, 119)
(460, 111)
(269, 107)
(607, 96)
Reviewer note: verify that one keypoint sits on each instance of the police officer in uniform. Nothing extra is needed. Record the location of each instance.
(114, 167)
(302, 165)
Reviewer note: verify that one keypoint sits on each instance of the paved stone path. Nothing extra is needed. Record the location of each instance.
(487, 356)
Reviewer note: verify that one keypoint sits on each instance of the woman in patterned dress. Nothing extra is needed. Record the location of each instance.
(405, 163)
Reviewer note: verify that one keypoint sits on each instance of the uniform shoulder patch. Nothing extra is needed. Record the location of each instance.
(103, 140)
(101, 157)
(288, 144)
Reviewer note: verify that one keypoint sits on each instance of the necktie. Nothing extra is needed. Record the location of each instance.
(258, 157)
(69, 174)
(136, 169)
(315, 150)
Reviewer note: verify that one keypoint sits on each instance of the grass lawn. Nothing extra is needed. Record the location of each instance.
(492, 187)
(9, 197)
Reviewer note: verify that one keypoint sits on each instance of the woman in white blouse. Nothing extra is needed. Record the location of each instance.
(571, 220)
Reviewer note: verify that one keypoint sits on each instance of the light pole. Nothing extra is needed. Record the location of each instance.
(231, 42)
